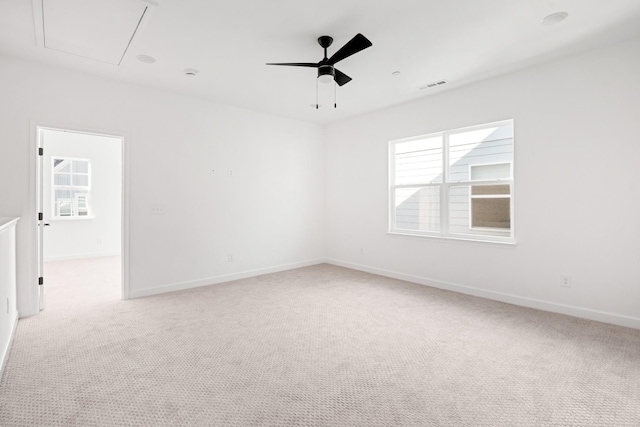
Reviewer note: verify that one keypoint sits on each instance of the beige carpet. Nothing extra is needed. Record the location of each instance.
(318, 346)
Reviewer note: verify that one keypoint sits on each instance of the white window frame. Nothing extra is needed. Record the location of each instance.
(54, 187)
(482, 234)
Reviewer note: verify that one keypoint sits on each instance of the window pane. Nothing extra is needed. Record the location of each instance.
(64, 208)
(480, 209)
(81, 201)
(491, 213)
(62, 179)
(479, 190)
(459, 209)
(417, 208)
(81, 204)
(63, 202)
(80, 166)
(418, 161)
(61, 165)
(496, 171)
(63, 195)
(81, 180)
(479, 147)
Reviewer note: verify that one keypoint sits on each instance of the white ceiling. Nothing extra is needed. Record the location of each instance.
(229, 42)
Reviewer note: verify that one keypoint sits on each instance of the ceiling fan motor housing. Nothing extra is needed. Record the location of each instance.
(326, 73)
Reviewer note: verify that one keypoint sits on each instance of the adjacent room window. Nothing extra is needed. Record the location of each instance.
(457, 183)
(71, 188)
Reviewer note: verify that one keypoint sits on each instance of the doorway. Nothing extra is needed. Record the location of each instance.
(80, 216)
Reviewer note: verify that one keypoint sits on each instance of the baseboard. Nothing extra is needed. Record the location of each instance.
(5, 352)
(138, 293)
(81, 256)
(570, 310)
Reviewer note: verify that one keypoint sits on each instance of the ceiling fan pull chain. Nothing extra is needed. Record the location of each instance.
(335, 96)
(316, 94)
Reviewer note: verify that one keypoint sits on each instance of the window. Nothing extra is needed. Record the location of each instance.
(71, 188)
(457, 183)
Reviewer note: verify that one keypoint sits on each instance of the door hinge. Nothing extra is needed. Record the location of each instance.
(40, 151)
(40, 280)
(40, 217)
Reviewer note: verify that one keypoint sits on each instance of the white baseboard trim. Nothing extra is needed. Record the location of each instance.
(570, 310)
(138, 293)
(80, 256)
(7, 348)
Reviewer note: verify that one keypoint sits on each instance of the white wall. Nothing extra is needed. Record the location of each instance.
(577, 153)
(99, 235)
(268, 214)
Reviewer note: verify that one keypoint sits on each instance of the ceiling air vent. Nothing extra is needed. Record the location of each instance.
(433, 84)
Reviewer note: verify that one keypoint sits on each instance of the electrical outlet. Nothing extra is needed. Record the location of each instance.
(157, 209)
(361, 251)
(99, 241)
(230, 257)
(565, 281)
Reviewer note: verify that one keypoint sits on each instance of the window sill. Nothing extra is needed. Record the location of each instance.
(484, 239)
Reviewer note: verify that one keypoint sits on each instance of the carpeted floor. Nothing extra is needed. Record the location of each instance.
(317, 346)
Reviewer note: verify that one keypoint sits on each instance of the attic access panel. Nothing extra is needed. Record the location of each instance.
(96, 29)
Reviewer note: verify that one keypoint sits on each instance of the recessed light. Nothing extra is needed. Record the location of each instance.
(554, 18)
(395, 73)
(146, 59)
(190, 72)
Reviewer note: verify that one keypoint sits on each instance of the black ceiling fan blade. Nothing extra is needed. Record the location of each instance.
(341, 78)
(297, 64)
(355, 45)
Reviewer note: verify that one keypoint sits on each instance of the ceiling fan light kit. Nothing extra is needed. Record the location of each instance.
(326, 73)
(326, 67)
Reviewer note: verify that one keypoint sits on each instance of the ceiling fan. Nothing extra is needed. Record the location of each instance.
(326, 67)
